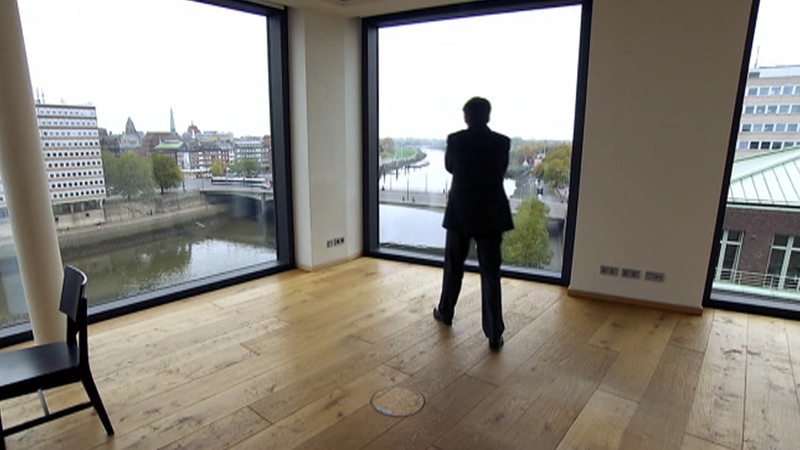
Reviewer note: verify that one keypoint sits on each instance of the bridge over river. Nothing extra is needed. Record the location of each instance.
(558, 209)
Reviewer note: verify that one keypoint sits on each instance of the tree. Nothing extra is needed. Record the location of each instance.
(217, 168)
(129, 175)
(528, 244)
(555, 167)
(386, 146)
(249, 167)
(166, 172)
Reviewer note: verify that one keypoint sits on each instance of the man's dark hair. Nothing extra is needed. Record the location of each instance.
(476, 111)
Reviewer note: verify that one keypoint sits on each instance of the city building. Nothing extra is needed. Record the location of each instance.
(71, 151)
(251, 147)
(130, 140)
(760, 248)
(771, 109)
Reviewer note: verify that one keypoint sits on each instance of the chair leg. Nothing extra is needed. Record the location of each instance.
(2, 435)
(43, 402)
(94, 396)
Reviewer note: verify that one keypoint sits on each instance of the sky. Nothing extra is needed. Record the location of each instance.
(139, 58)
(776, 41)
(524, 63)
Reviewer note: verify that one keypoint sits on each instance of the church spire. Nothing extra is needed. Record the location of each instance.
(171, 121)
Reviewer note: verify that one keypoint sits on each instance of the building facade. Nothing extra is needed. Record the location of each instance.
(71, 152)
(771, 109)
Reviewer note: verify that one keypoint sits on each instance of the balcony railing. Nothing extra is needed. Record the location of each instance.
(765, 284)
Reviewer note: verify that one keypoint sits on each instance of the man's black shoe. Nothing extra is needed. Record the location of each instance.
(495, 344)
(438, 316)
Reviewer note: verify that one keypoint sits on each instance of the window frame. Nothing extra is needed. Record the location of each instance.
(370, 26)
(719, 299)
(276, 21)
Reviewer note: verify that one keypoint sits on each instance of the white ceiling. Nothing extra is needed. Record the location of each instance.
(360, 8)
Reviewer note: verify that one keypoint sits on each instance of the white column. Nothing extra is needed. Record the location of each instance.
(25, 184)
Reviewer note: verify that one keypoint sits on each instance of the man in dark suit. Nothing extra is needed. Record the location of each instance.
(477, 208)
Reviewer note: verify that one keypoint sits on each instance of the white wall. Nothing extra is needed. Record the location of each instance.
(325, 80)
(663, 77)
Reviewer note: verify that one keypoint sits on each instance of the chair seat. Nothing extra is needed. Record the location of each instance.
(23, 371)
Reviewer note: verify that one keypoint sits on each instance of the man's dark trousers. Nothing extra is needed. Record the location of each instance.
(489, 259)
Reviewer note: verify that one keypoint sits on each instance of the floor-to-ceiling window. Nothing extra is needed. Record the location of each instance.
(163, 132)
(759, 259)
(528, 60)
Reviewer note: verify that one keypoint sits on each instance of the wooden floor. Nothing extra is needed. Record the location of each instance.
(291, 361)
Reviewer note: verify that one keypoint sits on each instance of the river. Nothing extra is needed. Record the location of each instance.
(199, 251)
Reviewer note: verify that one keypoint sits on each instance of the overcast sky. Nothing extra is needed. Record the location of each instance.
(777, 41)
(525, 63)
(138, 58)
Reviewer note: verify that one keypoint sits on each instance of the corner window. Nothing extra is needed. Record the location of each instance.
(758, 264)
(421, 69)
(208, 81)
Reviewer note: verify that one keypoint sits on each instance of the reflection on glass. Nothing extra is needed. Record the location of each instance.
(526, 64)
(154, 123)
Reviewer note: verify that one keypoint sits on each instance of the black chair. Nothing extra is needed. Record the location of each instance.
(33, 369)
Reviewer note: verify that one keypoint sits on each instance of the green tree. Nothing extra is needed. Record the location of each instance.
(248, 167)
(555, 167)
(528, 244)
(217, 168)
(166, 172)
(129, 175)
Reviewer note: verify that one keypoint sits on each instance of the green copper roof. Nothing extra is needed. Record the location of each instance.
(771, 178)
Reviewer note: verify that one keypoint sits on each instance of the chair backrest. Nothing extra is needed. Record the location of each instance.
(72, 289)
(73, 303)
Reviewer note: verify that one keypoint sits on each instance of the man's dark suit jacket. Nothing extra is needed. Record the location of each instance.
(477, 158)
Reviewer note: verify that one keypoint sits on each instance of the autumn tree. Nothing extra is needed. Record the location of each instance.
(217, 168)
(555, 167)
(129, 174)
(528, 244)
(166, 172)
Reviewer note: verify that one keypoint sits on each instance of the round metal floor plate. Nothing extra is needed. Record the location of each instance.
(397, 401)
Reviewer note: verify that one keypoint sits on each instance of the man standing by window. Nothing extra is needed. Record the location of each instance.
(477, 208)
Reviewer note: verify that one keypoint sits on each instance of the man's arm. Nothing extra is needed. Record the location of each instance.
(448, 155)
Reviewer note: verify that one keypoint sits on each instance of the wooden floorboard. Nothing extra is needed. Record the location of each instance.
(292, 361)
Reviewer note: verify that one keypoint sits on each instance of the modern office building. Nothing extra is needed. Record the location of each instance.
(71, 151)
(771, 110)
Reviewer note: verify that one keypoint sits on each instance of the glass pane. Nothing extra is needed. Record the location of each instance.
(764, 90)
(775, 261)
(427, 72)
(734, 236)
(13, 308)
(760, 182)
(154, 118)
(749, 109)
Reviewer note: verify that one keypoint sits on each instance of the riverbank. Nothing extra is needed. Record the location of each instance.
(127, 223)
